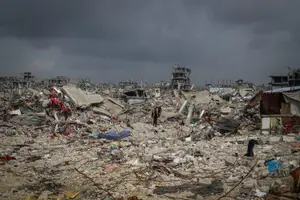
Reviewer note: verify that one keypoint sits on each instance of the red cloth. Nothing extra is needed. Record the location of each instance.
(53, 92)
(7, 158)
(54, 101)
(63, 108)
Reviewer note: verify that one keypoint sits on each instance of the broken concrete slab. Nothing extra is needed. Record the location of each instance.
(274, 139)
(15, 112)
(226, 110)
(115, 101)
(80, 98)
(230, 160)
(287, 138)
(113, 106)
(101, 111)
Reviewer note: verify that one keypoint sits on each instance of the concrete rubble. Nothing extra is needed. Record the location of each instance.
(88, 142)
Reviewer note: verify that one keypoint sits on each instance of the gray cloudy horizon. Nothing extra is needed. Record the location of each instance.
(112, 40)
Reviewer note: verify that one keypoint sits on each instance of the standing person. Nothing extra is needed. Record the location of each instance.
(156, 112)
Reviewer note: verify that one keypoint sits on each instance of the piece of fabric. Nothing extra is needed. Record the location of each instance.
(293, 95)
(294, 99)
(285, 108)
(112, 135)
(273, 165)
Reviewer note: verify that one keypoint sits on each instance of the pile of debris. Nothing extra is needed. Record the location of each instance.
(73, 143)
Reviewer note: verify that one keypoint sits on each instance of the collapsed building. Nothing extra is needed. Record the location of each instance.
(135, 96)
(58, 81)
(25, 80)
(280, 110)
(12, 81)
(291, 79)
(83, 142)
(181, 78)
(129, 83)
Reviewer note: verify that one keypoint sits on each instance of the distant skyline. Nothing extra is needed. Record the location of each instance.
(112, 40)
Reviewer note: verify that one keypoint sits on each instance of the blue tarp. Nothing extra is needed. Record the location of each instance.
(112, 135)
(273, 165)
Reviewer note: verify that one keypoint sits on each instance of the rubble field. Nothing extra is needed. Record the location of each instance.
(88, 143)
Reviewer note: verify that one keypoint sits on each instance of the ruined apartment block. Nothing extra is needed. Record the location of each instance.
(292, 79)
(25, 80)
(181, 78)
(128, 83)
(59, 81)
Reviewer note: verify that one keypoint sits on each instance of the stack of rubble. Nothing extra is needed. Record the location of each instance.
(68, 143)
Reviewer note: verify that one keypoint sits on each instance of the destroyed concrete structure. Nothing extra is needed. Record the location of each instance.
(291, 79)
(280, 110)
(129, 83)
(58, 81)
(81, 99)
(243, 84)
(162, 84)
(135, 96)
(181, 78)
(25, 80)
(97, 142)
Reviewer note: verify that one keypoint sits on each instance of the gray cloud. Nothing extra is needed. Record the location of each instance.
(111, 40)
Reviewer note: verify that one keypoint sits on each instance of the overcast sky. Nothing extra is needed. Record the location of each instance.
(111, 40)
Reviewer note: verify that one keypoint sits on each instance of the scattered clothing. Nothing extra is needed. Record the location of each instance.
(112, 135)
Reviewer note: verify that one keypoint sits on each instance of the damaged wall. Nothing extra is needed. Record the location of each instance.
(271, 103)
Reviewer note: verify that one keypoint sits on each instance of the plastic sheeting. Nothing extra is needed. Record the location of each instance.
(273, 165)
(112, 135)
(294, 99)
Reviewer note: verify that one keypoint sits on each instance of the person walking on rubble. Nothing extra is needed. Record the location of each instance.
(156, 112)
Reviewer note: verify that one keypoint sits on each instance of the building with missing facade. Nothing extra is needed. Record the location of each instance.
(58, 81)
(291, 79)
(128, 83)
(181, 78)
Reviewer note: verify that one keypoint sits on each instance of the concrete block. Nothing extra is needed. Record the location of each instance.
(274, 139)
(265, 123)
(264, 189)
(148, 157)
(230, 160)
(250, 183)
(287, 138)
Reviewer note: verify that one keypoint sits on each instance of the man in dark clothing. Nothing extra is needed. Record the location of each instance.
(156, 112)
(251, 145)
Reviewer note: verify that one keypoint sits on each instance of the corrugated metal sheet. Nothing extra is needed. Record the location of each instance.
(285, 89)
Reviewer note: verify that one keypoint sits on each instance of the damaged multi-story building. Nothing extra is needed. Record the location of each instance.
(181, 78)
(24, 80)
(59, 81)
(291, 79)
(129, 83)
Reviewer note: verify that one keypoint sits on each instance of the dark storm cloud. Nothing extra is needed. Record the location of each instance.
(111, 39)
(70, 18)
